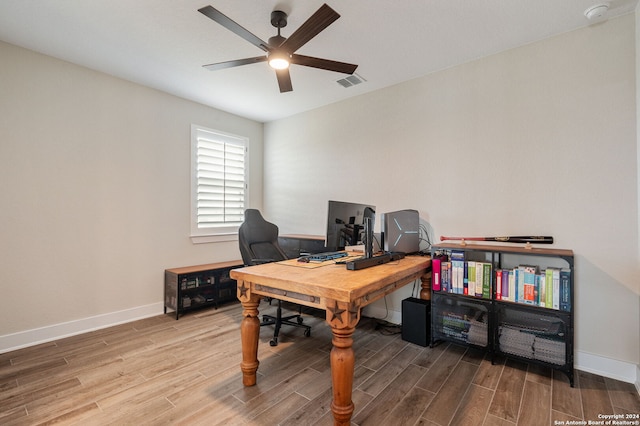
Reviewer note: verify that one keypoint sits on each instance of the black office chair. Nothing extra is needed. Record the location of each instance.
(258, 240)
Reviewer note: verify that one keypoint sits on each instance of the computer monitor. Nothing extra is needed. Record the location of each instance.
(345, 223)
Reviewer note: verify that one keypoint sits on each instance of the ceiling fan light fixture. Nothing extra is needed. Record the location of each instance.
(279, 60)
(279, 63)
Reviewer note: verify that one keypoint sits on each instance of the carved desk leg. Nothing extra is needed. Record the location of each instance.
(249, 334)
(425, 291)
(343, 319)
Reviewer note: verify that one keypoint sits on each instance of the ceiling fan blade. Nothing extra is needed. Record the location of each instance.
(235, 63)
(310, 28)
(233, 26)
(284, 80)
(324, 64)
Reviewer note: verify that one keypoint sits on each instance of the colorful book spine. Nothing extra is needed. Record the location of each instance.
(499, 284)
(520, 276)
(435, 273)
(465, 280)
(457, 271)
(556, 288)
(453, 277)
(471, 277)
(529, 284)
(528, 293)
(486, 280)
(445, 276)
(565, 290)
(479, 278)
(505, 284)
(513, 294)
(541, 289)
(548, 281)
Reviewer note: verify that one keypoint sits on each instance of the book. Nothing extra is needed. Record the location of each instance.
(505, 284)
(520, 274)
(549, 288)
(460, 278)
(486, 280)
(565, 289)
(512, 285)
(541, 289)
(555, 279)
(445, 276)
(435, 273)
(528, 291)
(465, 279)
(471, 277)
(457, 271)
(498, 284)
(479, 278)
(529, 284)
(453, 277)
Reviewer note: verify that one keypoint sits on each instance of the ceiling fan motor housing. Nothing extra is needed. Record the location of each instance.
(276, 40)
(278, 19)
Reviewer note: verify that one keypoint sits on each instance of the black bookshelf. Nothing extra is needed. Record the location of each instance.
(536, 327)
(200, 286)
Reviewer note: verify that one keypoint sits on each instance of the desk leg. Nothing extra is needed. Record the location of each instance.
(343, 320)
(249, 334)
(425, 291)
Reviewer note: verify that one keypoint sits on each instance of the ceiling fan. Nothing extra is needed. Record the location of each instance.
(280, 51)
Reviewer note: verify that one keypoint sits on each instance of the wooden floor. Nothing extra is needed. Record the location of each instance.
(160, 371)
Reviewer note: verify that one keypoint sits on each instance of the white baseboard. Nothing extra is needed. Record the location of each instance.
(37, 336)
(607, 367)
(584, 361)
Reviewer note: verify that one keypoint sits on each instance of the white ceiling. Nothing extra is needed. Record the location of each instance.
(164, 43)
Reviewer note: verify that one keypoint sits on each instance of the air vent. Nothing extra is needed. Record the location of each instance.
(351, 80)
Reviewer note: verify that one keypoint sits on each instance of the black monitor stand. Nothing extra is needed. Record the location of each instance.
(368, 235)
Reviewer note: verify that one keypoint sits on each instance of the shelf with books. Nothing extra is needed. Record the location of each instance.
(461, 320)
(199, 286)
(525, 288)
(454, 273)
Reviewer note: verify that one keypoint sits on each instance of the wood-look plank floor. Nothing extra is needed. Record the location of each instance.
(160, 371)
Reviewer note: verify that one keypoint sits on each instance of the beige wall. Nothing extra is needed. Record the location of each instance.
(94, 183)
(538, 140)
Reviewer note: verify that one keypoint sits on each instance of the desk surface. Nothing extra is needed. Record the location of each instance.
(314, 286)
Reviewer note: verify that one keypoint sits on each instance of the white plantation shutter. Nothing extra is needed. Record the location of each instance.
(219, 182)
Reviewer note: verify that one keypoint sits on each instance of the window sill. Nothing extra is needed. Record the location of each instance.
(219, 238)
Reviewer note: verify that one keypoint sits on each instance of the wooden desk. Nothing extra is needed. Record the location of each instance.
(342, 293)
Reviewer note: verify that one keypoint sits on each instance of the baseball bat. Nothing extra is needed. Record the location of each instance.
(510, 239)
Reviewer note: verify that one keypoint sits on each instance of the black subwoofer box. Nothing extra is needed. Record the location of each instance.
(416, 321)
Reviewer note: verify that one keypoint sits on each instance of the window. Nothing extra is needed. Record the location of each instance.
(219, 188)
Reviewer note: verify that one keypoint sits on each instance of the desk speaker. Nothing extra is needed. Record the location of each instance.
(416, 321)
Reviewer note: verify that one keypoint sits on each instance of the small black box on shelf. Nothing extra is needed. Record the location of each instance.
(416, 321)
